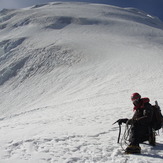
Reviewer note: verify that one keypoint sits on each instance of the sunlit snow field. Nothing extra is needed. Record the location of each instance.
(67, 71)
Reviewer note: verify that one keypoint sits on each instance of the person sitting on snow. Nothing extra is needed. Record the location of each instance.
(140, 124)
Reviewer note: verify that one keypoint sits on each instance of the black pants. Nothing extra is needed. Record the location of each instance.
(139, 134)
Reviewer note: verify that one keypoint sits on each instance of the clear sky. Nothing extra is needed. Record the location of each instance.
(153, 7)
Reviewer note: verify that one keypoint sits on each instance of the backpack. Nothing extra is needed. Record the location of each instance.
(157, 119)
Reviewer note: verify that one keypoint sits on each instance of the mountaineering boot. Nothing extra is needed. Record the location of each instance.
(133, 149)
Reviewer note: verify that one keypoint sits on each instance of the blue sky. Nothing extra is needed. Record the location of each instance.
(153, 7)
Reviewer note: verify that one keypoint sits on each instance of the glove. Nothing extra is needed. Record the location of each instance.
(120, 121)
(131, 122)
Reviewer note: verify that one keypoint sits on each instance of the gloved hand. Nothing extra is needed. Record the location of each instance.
(132, 122)
(120, 121)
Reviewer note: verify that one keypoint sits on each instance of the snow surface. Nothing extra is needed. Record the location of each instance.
(67, 71)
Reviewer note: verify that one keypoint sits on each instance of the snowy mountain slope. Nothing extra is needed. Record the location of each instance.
(66, 74)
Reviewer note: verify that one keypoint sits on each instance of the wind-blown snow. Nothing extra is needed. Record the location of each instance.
(67, 71)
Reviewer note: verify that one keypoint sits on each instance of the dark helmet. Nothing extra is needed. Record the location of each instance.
(135, 96)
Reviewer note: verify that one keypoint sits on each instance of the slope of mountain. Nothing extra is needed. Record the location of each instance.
(66, 74)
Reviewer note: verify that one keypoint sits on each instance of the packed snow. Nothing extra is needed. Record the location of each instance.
(67, 71)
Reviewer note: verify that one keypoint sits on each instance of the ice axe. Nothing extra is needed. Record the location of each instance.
(119, 130)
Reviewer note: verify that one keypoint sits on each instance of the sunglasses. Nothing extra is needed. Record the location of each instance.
(136, 101)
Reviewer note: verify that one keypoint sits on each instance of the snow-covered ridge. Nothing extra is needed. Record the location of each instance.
(58, 18)
(66, 74)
